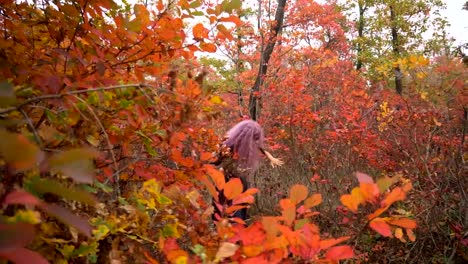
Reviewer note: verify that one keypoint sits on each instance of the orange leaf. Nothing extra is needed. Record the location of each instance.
(252, 250)
(313, 200)
(370, 191)
(298, 193)
(200, 32)
(324, 244)
(20, 152)
(224, 31)
(233, 188)
(353, 200)
(208, 47)
(411, 235)
(270, 225)
(340, 252)
(233, 19)
(377, 213)
(233, 208)
(257, 260)
(242, 199)
(381, 227)
(396, 194)
(403, 222)
(364, 178)
(209, 186)
(407, 187)
(216, 175)
(288, 210)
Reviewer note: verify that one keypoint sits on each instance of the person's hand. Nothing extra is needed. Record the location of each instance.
(273, 161)
(276, 162)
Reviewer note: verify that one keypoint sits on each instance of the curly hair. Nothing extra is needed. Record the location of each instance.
(245, 140)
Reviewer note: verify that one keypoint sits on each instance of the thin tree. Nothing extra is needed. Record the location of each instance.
(254, 106)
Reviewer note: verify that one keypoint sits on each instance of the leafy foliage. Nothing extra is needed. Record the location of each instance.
(109, 121)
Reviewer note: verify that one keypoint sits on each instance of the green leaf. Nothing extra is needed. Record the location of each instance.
(7, 94)
(101, 231)
(104, 187)
(163, 200)
(43, 186)
(170, 230)
(67, 251)
(229, 6)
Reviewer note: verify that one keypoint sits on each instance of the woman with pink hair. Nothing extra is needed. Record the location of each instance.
(240, 157)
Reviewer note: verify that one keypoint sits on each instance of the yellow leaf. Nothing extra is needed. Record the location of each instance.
(25, 216)
(92, 140)
(216, 100)
(399, 234)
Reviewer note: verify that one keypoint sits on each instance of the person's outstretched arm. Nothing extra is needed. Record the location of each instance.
(273, 161)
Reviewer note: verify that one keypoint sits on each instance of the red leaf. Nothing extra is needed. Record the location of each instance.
(23, 256)
(14, 236)
(21, 197)
(340, 252)
(381, 227)
(68, 217)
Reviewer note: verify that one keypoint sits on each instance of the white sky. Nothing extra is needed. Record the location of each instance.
(458, 20)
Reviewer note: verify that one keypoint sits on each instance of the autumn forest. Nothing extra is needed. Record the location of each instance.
(113, 114)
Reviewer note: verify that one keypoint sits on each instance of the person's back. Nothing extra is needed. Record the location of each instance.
(239, 157)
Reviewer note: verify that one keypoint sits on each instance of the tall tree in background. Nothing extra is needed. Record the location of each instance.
(266, 52)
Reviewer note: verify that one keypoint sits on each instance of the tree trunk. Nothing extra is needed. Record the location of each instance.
(396, 51)
(264, 58)
(362, 10)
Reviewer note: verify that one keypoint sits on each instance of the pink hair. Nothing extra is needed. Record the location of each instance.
(245, 140)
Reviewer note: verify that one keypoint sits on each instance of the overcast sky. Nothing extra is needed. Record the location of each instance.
(458, 20)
